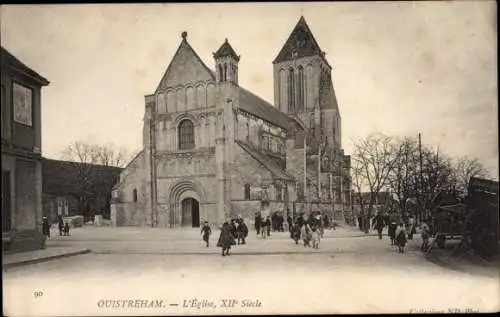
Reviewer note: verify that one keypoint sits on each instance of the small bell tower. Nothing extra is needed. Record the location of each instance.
(226, 64)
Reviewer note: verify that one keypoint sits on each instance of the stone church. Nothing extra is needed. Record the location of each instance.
(213, 150)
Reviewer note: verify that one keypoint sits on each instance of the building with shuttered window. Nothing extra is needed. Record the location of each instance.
(21, 155)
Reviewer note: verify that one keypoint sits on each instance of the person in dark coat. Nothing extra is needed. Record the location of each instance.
(242, 231)
(46, 227)
(392, 231)
(61, 225)
(66, 228)
(326, 222)
(401, 237)
(274, 221)
(289, 220)
(268, 226)
(379, 224)
(233, 226)
(206, 231)
(226, 239)
(300, 221)
(295, 233)
(257, 223)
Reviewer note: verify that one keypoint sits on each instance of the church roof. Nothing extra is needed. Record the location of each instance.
(9, 60)
(257, 106)
(226, 50)
(300, 43)
(65, 177)
(267, 162)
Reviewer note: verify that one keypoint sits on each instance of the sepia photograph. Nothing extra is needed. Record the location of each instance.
(250, 158)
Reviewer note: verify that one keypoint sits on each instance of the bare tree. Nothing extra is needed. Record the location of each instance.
(404, 175)
(373, 160)
(464, 169)
(86, 156)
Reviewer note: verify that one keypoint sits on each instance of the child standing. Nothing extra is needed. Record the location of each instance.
(206, 231)
(401, 237)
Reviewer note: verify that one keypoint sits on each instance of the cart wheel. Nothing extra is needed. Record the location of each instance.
(441, 241)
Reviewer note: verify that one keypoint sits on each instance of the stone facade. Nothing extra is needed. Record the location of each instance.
(21, 155)
(214, 150)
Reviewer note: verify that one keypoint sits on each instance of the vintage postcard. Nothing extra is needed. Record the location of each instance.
(250, 158)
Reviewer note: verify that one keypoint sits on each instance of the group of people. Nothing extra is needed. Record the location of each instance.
(232, 232)
(401, 231)
(63, 226)
(310, 231)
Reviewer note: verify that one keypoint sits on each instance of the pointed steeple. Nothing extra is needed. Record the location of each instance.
(300, 43)
(226, 50)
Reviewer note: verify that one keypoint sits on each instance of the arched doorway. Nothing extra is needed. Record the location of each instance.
(190, 213)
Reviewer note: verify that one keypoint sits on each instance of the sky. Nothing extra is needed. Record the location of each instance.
(399, 68)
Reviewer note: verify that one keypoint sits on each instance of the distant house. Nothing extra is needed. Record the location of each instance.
(72, 188)
(21, 155)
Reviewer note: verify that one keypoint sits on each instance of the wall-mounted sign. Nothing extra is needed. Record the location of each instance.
(23, 104)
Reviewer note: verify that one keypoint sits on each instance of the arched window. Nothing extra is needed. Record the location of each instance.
(300, 101)
(186, 135)
(291, 91)
(221, 74)
(134, 193)
(225, 72)
(247, 191)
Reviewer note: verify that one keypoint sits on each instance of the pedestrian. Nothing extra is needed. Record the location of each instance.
(305, 233)
(411, 228)
(295, 233)
(226, 239)
(66, 228)
(268, 226)
(425, 237)
(326, 222)
(300, 220)
(391, 231)
(61, 225)
(289, 220)
(401, 237)
(282, 221)
(315, 237)
(233, 226)
(242, 231)
(206, 232)
(46, 227)
(379, 224)
(257, 223)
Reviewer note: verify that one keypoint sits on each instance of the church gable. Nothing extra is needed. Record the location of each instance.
(186, 67)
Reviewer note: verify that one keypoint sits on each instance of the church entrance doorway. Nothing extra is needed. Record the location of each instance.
(190, 213)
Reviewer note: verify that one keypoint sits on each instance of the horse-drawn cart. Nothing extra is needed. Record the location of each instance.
(447, 223)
